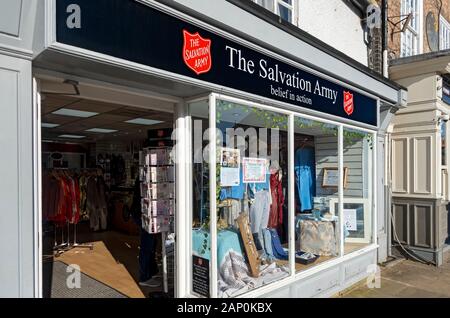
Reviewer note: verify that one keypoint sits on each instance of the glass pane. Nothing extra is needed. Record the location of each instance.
(252, 198)
(316, 191)
(268, 4)
(201, 248)
(357, 206)
(285, 13)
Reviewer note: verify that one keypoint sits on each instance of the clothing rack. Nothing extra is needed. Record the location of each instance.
(67, 246)
(59, 249)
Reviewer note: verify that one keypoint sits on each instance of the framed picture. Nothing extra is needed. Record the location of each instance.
(356, 217)
(331, 177)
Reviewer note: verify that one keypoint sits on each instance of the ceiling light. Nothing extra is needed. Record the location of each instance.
(101, 130)
(72, 136)
(143, 121)
(49, 125)
(74, 113)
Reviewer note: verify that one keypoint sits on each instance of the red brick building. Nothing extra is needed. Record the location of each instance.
(427, 29)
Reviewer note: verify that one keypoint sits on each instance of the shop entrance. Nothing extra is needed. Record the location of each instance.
(107, 192)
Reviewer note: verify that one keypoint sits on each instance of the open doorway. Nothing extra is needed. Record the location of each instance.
(108, 193)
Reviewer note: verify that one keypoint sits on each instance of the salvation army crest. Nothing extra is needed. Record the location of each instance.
(349, 105)
(197, 52)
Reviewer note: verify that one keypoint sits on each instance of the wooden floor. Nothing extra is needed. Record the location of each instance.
(101, 265)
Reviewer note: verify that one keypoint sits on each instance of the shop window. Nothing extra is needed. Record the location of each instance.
(286, 9)
(252, 196)
(201, 238)
(444, 34)
(357, 182)
(410, 39)
(244, 201)
(316, 187)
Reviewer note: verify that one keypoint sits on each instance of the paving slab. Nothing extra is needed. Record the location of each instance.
(408, 279)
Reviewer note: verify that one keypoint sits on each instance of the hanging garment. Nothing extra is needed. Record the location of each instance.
(74, 200)
(305, 177)
(277, 249)
(268, 244)
(82, 183)
(96, 203)
(276, 208)
(259, 214)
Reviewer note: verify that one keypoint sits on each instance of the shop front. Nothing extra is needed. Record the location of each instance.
(275, 188)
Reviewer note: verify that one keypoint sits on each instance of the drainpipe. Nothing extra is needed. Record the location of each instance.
(384, 16)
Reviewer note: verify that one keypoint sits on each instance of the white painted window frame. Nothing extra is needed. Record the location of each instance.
(292, 7)
(415, 28)
(444, 34)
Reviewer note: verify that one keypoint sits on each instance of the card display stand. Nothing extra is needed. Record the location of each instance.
(157, 178)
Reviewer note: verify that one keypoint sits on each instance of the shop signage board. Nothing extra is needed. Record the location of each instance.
(132, 31)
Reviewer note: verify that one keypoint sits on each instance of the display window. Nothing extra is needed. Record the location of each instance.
(275, 193)
(317, 226)
(358, 189)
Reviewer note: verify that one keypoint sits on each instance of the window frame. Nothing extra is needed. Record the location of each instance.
(413, 29)
(293, 8)
(444, 33)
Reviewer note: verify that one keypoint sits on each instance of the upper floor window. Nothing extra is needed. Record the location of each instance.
(445, 34)
(286, 9)
(410, 40)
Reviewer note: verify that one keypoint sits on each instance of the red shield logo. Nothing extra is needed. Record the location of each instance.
(197, 52)
(349, 106)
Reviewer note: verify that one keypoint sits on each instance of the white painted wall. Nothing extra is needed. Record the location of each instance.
(334, 23)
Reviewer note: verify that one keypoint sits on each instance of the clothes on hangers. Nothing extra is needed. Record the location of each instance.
(61, 197)
(259, 214)
(305, 177)
(276, 208)
(96, 203)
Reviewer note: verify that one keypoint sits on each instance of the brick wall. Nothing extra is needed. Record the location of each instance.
(395, 10)
(433, 6)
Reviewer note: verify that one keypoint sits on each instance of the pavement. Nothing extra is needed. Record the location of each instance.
(407, 279)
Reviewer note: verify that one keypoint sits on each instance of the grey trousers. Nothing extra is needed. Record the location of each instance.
(259, 213)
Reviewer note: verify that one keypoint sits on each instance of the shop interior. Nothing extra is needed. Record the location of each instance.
(252, 195)
(108, 194)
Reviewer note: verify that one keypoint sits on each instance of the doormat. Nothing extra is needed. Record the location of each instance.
(63, 280)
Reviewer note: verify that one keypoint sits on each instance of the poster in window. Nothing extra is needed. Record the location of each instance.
(254, 170)
(200, 276)
(230, 158)
(350, 220)
(230, 161)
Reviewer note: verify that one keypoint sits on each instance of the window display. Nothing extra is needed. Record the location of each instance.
(251, 148)
(262, 177)
(357, 205)
(317, 179)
